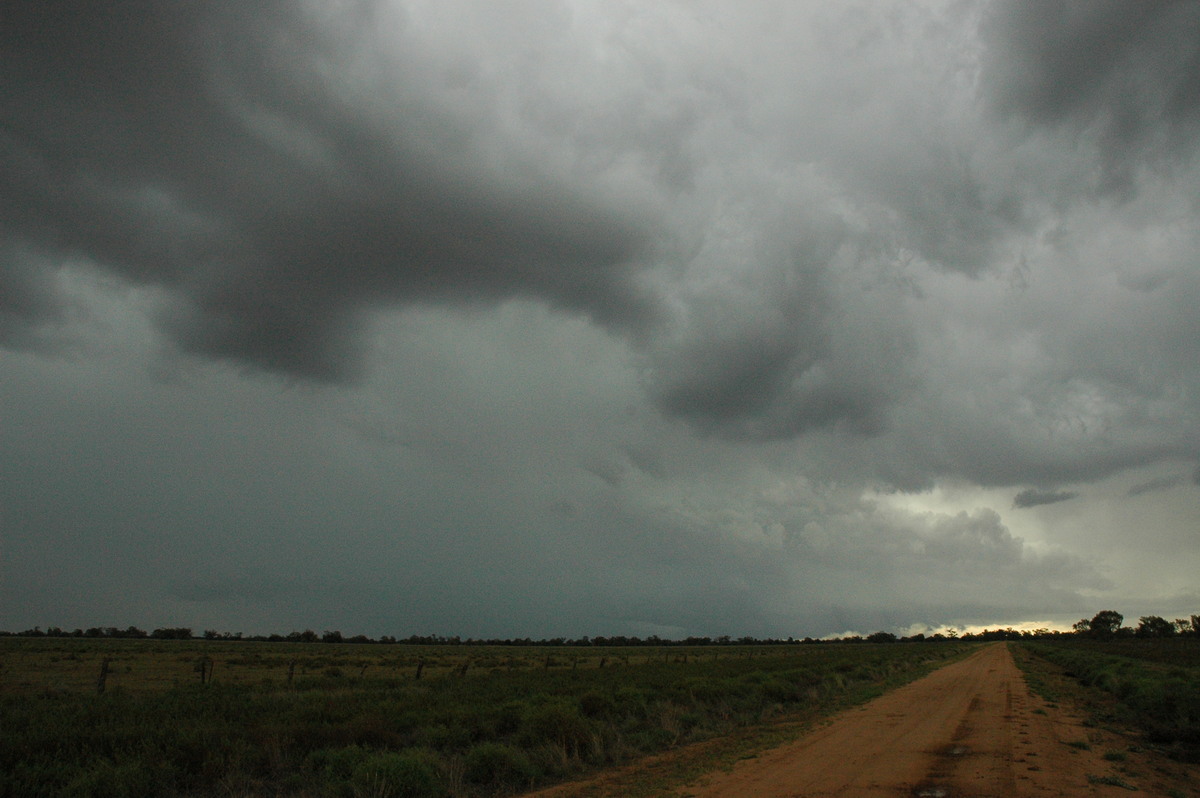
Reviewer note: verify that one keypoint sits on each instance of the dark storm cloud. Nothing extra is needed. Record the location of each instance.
(1155, 485)
(27, 297)
(1128, 71)
(675, 317)
(214, 149)
(1032, 497)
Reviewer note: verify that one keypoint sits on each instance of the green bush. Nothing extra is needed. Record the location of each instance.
(560, 723)
(403, 774)
(337, 764)
(595, 704)
(498, 765)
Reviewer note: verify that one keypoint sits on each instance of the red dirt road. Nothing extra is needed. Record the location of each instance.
(969, 729)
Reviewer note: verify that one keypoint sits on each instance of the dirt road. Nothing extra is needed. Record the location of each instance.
(968, 729)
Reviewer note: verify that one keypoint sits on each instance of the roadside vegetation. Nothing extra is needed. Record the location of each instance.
(1150, 672)
(145, 717)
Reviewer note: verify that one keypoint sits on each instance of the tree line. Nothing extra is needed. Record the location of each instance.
(1107, 625)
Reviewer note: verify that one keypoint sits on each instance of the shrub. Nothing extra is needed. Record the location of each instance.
(560, 723)
(497, 765)
(337, 764)
(597, 705)
(403, 774)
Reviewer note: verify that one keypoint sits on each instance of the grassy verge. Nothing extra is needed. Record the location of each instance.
(1146, 688)
(342, 729)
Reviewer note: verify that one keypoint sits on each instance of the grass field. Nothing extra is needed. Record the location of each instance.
(204, 718)
(1154, 685)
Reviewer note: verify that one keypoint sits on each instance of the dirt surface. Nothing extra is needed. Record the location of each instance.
(970, 729)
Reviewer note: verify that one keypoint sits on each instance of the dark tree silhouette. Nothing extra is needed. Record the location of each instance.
(1105, 624)
(1154, 626)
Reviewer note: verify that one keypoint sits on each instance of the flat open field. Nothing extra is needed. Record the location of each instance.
(243, 718)
(73, 666)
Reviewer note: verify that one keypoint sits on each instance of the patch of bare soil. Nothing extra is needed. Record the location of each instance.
(968, 730)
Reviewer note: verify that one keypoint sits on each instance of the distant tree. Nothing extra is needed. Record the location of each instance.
(332, 637)
(1082, 627)
(1105, 624)
(174, 633)
(307, 636)
(1154, 626)
(881, 637)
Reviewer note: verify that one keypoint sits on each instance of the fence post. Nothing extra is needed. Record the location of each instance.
(100, 682)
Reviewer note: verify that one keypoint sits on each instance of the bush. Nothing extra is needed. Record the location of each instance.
(337, 764)
(560, 723)
(404, 774)
(498, 765)
(597, 705)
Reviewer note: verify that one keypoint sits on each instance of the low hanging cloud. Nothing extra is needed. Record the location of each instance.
(1155, 485)
(1032, 497)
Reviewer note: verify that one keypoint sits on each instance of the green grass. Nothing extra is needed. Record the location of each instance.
(355, 721)
(1112, 781)
(1154, 685)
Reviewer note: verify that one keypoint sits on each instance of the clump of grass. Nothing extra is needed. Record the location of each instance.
(1082, 745)
(1112, 781)
(1115, 756)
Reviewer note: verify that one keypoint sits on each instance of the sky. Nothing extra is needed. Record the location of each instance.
(538, 319)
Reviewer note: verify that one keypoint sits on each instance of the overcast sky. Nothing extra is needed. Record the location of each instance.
(529, 318)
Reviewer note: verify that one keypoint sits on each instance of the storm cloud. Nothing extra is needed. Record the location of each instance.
(220, 153)
(1032, 497)
(533, 318)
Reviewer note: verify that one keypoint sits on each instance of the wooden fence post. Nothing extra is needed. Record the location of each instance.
(103, 678)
